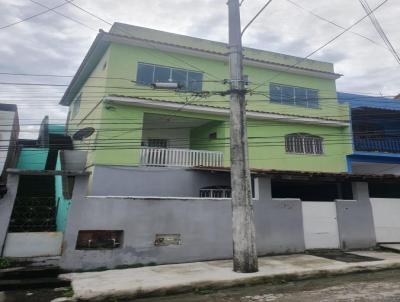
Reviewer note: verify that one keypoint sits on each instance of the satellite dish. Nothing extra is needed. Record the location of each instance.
(83, 133)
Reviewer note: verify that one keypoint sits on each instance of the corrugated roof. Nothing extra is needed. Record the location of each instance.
(358, 100)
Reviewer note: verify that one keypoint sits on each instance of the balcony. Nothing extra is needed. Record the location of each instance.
(386, 144)
(163, 157)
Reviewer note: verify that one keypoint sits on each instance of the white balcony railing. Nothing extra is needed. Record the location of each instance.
(180, 157)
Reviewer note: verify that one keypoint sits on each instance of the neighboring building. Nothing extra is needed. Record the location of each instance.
(292, 112)
(9, 131)
(376, 134)
(33, 212)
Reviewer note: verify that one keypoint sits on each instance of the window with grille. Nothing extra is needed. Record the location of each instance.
(155, 143)
(303, 143)
(291, 95)
(216, 192)
(188, 80)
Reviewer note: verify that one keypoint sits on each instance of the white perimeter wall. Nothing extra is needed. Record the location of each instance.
(386, 213)
(24, 245)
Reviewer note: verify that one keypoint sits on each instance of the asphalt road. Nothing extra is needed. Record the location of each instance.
(376, 287)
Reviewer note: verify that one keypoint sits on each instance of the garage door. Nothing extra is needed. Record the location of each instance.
(386, 212)
(320, 225)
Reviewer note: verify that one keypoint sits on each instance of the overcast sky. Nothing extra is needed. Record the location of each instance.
(53, 44)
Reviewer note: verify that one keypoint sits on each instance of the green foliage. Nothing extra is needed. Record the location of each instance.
(4, 262)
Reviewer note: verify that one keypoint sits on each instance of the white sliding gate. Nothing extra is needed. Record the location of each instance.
(320, 225)
(386, 213)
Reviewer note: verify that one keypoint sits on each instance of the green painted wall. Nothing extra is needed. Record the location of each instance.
(266, 141)
(199, 138)
(62, 204)
(90, 110)
(118, 133)
(123, 63)
(267, 147)
(32, 159)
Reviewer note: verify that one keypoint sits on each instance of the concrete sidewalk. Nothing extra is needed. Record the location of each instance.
(178, 278)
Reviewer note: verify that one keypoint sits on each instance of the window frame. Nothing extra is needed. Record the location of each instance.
(309, 102)
(76, 105)
(300, 143)
(188, 84)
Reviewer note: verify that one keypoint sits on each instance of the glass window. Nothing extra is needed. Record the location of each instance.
(162, 74)
(312, 98)
(275, 92)
(288, 95)
(301, 96)
(195, 81)
(148, 74)
(145, 74)
(180, 76)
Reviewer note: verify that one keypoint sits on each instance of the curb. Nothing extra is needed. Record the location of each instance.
(243, 280)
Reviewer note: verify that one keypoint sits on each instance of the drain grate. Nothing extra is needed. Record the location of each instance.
(342, 256)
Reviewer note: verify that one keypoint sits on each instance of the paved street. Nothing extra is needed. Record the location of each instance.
(377, 287)
(380, 286)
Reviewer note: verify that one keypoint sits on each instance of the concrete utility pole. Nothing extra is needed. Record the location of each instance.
(244, 241)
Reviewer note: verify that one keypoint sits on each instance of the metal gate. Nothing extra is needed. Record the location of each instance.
(386, 213)
(320, 225)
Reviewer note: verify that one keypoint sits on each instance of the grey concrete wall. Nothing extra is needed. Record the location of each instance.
(204, 225)
(279, 222)
(73, 160)
(355, 220)
(151, 181)
(6, 208)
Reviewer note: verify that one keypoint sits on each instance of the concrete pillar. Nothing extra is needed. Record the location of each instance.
(79, 194)
(279, 222)
(6, 208)
(355, 220)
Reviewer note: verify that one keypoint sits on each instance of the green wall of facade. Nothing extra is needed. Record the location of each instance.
(266, 141)
(118, 135)
(123, 61)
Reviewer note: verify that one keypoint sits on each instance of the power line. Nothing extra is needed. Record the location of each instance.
(332, 22)
(88, 12)
(147, 42)
(63, 15)
(380, 30)
(256, 16)
(324, 45)
(33, 16)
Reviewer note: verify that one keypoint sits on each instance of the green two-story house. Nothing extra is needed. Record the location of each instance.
(156, 185)
(294, 119)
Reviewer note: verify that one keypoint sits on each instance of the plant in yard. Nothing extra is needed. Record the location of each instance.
(4, 262)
